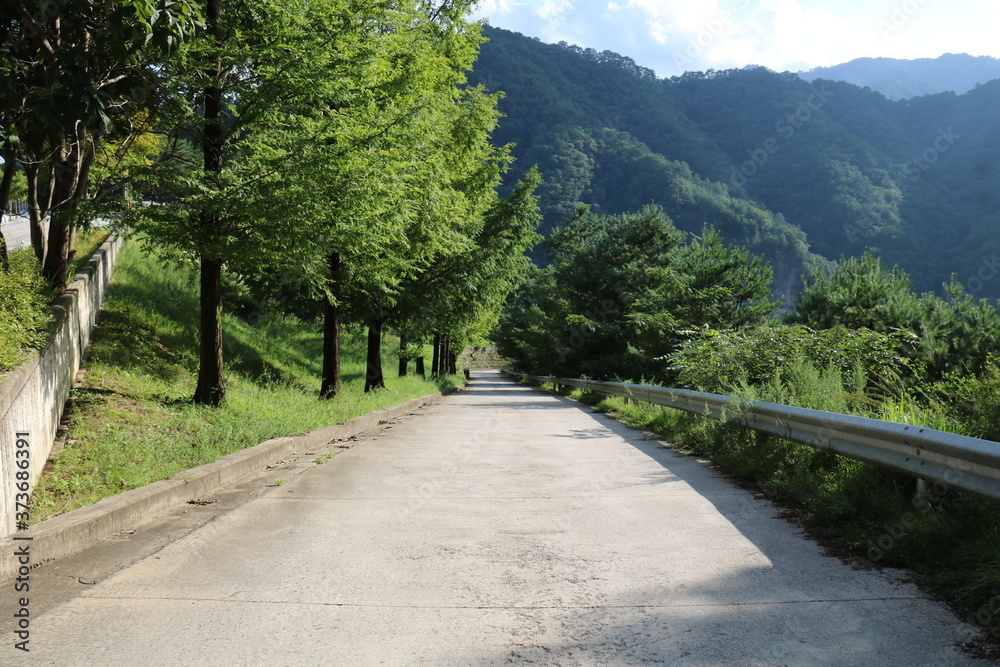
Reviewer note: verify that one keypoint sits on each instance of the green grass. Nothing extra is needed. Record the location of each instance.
(133, 422)
(87, 243)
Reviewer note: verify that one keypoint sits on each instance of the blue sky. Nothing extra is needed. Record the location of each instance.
(673, 36)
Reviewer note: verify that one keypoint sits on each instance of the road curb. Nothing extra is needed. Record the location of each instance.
(74, 531)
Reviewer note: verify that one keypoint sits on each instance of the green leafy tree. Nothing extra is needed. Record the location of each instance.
(858, 293)
(240, 95)
(530, 323)
(460, 296)
(69, 69)
(433, 136)
(710, 285)
(621, 293)
(398, 174)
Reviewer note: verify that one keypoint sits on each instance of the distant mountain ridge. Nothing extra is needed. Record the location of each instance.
(905, 79)
(798, 172)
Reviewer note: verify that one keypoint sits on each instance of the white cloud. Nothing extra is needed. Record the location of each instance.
(671, 36)
(657, 31)
(785, 34)
(553, 10)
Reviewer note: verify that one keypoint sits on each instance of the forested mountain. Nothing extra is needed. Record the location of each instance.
(900, 79)
(785, 166)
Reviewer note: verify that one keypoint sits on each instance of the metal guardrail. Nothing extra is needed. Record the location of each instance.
(956, 461)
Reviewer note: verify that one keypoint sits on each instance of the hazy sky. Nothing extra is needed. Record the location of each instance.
(673, 36)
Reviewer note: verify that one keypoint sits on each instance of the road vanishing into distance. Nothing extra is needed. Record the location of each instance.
(499, 526)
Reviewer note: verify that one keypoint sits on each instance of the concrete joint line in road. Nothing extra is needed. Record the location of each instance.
(500, 607)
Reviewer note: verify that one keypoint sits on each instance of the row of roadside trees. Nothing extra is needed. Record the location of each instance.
(324, 154)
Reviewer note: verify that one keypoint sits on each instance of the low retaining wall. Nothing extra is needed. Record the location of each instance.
(32, 396)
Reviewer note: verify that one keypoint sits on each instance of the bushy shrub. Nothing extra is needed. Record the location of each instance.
(952, 334)
(23, 307)
(720, 361)
(974, 400)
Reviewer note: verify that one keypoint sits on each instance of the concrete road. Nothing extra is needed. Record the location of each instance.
(500, 526)
(15, 230)
(16, 233)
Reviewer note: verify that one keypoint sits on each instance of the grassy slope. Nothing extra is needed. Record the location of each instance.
(87, 243)
(133, 421)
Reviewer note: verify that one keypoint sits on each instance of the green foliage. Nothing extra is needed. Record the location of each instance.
(973, 400)
(246, 208)
(614, 173)
(857, 293)
(24, 299)
(19, 187)
(718, 361)
(524, 336)
(620, 293)
(951, 335)
(462, 293)
(775, 163)
(710, 285)
(372, 157)
(71, 71)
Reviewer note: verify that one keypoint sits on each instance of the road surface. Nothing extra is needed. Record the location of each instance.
(499, 526)
(15, 230)
(16, 233)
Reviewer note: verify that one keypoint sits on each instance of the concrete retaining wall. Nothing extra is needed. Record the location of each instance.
(33, 395)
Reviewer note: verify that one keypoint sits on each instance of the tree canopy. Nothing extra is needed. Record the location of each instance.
(623, 291)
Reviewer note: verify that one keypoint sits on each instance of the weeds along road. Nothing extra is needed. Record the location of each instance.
(499, 526)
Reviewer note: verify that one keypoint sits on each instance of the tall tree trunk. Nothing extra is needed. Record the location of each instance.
(419, 366)
(331, 331)
(67, 169)
(211, 389)
(9, 166)
(436, 356)
(403, 361)
(35, 210)
(88, 154)
(57, 252)
(443, 368)
(452, 361)
(373, 369)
